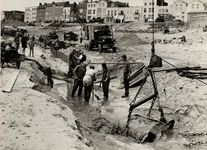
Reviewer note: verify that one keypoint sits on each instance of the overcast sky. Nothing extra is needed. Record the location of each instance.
(21, 4)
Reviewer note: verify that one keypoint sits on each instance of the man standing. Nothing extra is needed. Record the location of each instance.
(105, 81)
(24, 43)
(16, 41)
(88, 82)
(31, 46)
(72, 62)
(79, 73)
(126, 75)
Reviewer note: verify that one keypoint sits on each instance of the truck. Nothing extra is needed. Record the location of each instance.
(100, 37)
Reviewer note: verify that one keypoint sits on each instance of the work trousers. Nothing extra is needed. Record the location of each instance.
(105, 86)
(72, 65)
(77, 83)
(126, 83)
(88, 90)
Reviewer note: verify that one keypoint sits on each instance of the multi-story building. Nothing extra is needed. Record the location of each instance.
(14, 15)
(164, 10)
(150, 6)
(66, 13)
(91, 10)
(54, 11)
(131, 13)
(82, 7)
(41, 13)
(179, 10)
(196, 5)
(112, 11)
(30, 14)
(101, 8)
(73, 11)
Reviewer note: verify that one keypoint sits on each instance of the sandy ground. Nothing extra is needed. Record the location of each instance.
(184, 100)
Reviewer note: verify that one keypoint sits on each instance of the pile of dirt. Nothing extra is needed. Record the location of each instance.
(13, 23)
(129, 39)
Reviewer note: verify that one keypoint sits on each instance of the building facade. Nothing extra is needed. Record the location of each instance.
(164, 10)
(113, 11)
(131, 13)
(195, 5)
(91, 11)
(30, 14)
(41, 12)
(66, 13)
(82, 7)
(54, 11)
(150, 6)
(14, 15)
(179, 10)
(101, 8)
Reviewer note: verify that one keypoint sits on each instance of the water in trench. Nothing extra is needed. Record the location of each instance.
(115, 109)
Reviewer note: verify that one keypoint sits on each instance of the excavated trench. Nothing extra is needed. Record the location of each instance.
(98, 121)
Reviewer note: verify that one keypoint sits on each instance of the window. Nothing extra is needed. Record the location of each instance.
(115, 12)
(160, 10)
(145, 10)
(150, 9)
(166, 10)
(153, 3)
(112, 12)
(88, 5)
(149, 16)
(150, 3)
(181, 5)
(104, 10)
(183, 12)
(145, 4)
(144, 16)
(94, 5)
(137, 12)
(103, 4)
(108, 12)
(94, 11)
(197, 6)
(99, 4)
(89, 11)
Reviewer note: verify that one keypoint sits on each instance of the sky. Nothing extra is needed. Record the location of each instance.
(21, 4)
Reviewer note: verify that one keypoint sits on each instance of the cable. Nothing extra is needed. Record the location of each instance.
(180, 70)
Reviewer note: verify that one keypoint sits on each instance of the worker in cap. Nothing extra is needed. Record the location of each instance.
(72, 62)
(126, 74)
(105, 81)
(79, 73)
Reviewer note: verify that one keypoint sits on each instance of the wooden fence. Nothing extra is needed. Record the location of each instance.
(60, 55)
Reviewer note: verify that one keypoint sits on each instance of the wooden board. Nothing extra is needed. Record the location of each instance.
(10, 83)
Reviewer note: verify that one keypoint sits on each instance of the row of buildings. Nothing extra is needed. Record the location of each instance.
(114, 11)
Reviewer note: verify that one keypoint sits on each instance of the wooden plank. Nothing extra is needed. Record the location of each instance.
(10, 83)
(177, 69)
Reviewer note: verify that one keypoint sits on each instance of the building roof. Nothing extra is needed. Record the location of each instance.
(198, 11)
(198, 0)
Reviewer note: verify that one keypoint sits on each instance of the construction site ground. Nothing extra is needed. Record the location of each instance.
(35, 116)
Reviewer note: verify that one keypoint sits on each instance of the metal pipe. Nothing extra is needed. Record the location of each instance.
(142, 101)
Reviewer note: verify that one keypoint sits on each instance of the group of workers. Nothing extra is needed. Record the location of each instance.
(85, 78)
(25, 40)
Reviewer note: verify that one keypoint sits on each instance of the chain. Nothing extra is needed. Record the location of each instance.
(195, 143)
(193, 134)
(126, 130)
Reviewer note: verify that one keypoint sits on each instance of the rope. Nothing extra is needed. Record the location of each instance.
(180, 70)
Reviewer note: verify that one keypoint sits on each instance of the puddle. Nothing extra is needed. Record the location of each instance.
(95, 115)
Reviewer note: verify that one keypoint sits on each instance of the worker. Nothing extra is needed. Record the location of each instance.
(183, 40)
(79, 73)
(16, 41)
(126, 74)
(88, 79)
(48, 72)
(81, 36)
(31, 47)
(72, 62)
(105, 81)
(24, 43)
